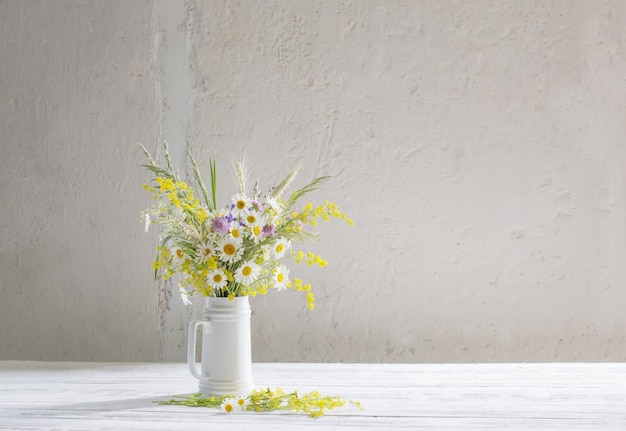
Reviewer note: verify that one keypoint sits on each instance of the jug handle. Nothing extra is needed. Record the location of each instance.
(191, 348)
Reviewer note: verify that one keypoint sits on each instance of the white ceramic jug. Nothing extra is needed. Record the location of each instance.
(226, 362)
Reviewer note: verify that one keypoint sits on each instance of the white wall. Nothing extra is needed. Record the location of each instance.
(478, 146)
(77, 92)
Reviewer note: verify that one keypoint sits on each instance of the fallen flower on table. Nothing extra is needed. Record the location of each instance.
(266, 400)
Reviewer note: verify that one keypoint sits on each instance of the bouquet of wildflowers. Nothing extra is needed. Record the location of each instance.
(238, 249)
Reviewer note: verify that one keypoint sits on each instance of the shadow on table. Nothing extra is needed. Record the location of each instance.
(125, 404)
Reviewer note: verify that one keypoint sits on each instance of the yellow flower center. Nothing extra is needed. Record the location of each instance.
(241, 402)
(241, 204)
(279, 248)
(217, 278)
(280, 277)
(179, 253)
(235, 233)
(207, 251)
(228, 408)
(229, 249)
(257, 230)
(251, 218)
(246, 271)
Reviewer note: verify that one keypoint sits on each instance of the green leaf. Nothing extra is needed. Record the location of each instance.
(312, 186)
(213, 182)
(198, 177)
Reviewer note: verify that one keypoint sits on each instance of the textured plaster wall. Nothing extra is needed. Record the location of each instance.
(77, 92)
(479, 147)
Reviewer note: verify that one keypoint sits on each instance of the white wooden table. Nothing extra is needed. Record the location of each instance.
(121, 396)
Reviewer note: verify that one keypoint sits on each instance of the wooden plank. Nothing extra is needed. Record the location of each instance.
(43, 395)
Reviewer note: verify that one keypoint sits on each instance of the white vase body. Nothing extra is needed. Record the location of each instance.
(226, 361)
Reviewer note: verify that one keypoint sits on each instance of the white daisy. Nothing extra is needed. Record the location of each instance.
(242, 402)
(272, 203)
(146, 221)
(281, 245)
(236, 229)
(247, 273)
(184, 295)
(230, 249)
(205, 250)
(273, 210)
(281, 277)
(229, 405)
(256, 233)
(241, 203)
(217, 278)
(254, 228)
(178, 256)
(253, 218)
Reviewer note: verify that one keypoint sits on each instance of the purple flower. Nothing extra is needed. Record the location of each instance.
(268, 230)
(257, 206)
(221, 225)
